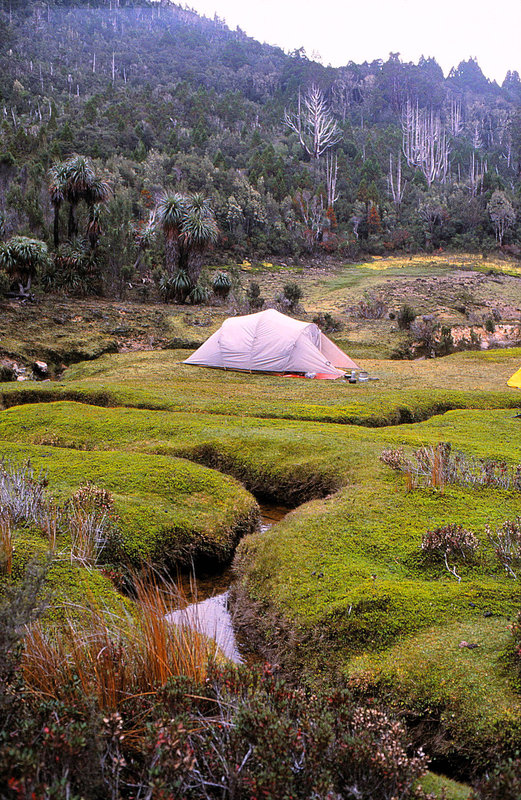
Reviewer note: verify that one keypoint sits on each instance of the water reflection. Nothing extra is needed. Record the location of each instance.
(207, 597)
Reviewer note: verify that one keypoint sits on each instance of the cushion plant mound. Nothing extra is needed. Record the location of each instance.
(287, 459)
(69, 588)
(27, 545)
(342, 576)
(75, 590)
(170, 510)
(461, 693)
(442, 787)
(349, 570)
(406, 391)
(280, 458)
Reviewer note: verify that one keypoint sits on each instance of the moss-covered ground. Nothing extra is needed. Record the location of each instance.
(340, 584)
(169, 510)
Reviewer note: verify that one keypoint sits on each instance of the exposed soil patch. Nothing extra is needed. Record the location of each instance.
(469, 294)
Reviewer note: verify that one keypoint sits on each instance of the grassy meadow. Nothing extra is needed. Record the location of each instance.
(341, 585)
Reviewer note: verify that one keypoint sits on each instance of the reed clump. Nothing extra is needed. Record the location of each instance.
(112, 658)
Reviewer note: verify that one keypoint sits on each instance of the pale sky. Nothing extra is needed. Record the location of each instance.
(364, 30)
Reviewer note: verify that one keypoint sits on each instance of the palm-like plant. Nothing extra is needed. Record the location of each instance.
(57, 187)
(79, 177)
(74, 181)
(95, 195)
(170, 212)
(189, 226)
(144, 234)
(21, 258)
(94, 229)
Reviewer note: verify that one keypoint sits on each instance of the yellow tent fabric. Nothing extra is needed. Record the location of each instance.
(515, 380)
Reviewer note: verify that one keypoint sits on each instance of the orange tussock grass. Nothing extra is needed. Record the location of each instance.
(50, 521)
(6, 545)
(110, 658)
(438, 471)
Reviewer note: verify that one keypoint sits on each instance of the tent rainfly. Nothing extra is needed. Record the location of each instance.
(272, 342)
(515, 380)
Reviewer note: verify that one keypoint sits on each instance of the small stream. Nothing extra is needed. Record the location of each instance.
(207, 597)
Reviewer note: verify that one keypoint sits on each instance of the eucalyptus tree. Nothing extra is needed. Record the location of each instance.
(501, 213)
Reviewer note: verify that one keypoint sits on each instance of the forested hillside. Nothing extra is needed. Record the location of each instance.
(295, 158)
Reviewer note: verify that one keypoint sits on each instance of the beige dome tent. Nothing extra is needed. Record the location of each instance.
(272, 342)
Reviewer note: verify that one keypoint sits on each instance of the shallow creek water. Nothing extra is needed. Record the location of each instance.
(207, 597)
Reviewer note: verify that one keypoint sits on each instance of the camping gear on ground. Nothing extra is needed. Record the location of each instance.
(272, 342)
(515, 380)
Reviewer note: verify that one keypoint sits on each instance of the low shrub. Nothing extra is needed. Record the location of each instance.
(328, 323)
(372, 306)
(6, 374)
(405, 317)
(437, 465)
(236, 734)
(450, 541)
(293, 294)
(21, 492)
(504, 783)
(253, 296)
(506, 541)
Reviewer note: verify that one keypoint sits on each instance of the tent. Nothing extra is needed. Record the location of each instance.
(272, 342)
(515, 380)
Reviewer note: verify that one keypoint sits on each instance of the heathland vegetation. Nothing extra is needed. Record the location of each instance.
(155, 178)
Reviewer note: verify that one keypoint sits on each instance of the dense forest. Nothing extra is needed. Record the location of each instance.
(279, 156)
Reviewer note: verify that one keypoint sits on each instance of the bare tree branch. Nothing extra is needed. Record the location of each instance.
(313, 123)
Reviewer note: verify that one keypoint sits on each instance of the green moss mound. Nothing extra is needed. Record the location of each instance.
(27, 546)
(170, 510)
(75, 590)
(69, 588)
(442, 787)
(459, 697)
(405, 392)
(340, 578)
(351, 566)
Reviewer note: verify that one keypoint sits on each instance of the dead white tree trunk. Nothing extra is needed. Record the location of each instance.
(313, 123)
(395, 183)
(331, 178)
(456, 117)
(425, 143)
(476, 175)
